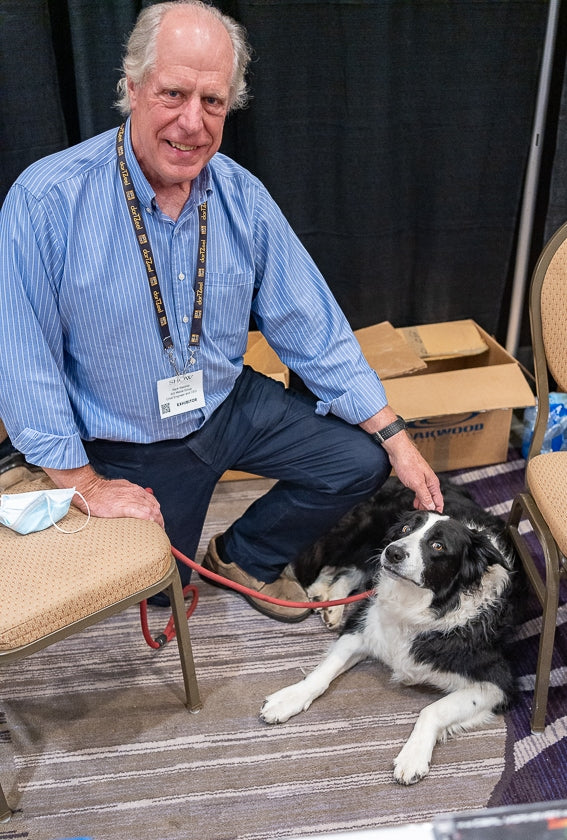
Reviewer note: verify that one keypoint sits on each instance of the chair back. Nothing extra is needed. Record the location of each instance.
(548, 321)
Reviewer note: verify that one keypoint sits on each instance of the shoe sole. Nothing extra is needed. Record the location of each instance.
(256, 604)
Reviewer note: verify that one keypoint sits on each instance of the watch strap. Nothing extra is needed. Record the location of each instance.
(390, 430)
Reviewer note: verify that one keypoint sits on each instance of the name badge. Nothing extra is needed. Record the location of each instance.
(180, 394)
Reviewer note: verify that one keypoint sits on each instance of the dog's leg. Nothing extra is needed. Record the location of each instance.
(334, 584)
(459, 711)
(321, 586)
(283, 704)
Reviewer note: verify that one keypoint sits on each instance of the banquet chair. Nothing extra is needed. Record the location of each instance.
(544, 499)
(54, 584)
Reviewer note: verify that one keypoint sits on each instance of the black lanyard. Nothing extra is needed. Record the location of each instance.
(148, 258)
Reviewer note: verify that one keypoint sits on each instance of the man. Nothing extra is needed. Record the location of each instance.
(131, 264)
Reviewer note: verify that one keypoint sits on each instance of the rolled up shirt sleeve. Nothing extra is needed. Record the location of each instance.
(50, 450)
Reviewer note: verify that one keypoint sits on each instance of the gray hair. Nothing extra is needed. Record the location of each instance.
(140, 56)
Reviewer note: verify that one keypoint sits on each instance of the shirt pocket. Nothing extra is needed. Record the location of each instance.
(227, 301)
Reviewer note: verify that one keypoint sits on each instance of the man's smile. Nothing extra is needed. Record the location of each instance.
(181, 146)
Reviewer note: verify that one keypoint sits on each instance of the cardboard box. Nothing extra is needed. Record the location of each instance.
(452, 382)
(440, 342)
(261, 357)
(388, 351)
(459, 407)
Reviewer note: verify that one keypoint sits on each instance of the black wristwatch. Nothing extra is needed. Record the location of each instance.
(390, 430)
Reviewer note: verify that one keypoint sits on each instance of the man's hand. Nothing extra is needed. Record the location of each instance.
(410, 466)
(108, 498)
(414, 471)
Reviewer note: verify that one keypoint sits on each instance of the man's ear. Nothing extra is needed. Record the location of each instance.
(132, 91)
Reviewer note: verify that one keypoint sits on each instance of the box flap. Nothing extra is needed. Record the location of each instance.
(387, 352)
(260, 355)
(445, 340)
(459, 391)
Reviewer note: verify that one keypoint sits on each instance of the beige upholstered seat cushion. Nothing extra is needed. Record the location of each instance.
(546, 477)
(48, 579)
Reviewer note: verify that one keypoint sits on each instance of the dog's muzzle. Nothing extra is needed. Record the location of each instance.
(394, 554)
(395, 561)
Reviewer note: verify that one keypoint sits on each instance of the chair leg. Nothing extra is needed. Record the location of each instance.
(5, 811)
(547, 591)
(193, 700)
(546, 640)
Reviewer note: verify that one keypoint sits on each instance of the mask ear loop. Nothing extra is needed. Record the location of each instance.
(76, 530)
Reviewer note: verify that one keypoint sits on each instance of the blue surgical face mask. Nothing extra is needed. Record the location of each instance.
(36, 510)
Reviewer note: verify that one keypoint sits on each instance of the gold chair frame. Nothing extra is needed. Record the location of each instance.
(549, 365)
(171, 583)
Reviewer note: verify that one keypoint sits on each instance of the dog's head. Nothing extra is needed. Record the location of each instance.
(438, 553)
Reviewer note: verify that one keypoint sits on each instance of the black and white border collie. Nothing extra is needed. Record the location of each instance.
(446, 591)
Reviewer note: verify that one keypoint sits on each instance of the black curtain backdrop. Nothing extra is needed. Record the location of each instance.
(394, 134)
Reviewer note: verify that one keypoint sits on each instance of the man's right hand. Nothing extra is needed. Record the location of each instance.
(108, 498)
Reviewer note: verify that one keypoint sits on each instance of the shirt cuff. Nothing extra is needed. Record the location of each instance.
(357, 404)
(51, 451)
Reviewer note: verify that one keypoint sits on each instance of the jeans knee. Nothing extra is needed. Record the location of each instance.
(371, 467)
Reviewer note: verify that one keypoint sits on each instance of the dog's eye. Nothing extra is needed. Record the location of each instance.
(406, 529)
(437, 546)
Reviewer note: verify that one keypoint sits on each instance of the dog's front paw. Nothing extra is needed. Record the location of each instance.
(283, 704)
(410, 767)
(332, 617)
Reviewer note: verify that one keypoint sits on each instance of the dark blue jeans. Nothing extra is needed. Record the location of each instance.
(324, 467)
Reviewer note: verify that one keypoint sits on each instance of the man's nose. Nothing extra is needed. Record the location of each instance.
(190, 118)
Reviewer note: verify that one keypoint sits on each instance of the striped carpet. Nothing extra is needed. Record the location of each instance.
(96, 742)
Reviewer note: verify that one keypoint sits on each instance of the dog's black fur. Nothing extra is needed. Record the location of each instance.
(361, 533)
(479, 539)
(447, 592)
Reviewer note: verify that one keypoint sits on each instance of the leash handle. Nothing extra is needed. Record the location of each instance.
(169, 632)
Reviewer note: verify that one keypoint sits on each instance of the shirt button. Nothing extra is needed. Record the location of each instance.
(181, 276)
(185, 319)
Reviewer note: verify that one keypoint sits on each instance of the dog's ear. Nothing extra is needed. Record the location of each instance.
(480, 554)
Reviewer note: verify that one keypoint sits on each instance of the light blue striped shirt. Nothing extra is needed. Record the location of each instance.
(80, 347)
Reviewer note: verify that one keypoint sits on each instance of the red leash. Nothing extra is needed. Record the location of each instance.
(169, 631)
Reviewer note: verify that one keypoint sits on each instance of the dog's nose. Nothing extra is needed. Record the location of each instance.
(395, 553)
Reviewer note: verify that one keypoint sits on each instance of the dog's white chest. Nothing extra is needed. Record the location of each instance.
(388, 641)
(389, 632)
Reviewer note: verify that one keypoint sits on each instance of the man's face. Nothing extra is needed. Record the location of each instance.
(178, 112)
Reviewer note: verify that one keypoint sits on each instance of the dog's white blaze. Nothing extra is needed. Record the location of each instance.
(412, 566)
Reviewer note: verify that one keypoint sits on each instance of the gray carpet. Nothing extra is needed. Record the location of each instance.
(96, 741)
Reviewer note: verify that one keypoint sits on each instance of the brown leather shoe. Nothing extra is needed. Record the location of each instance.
(283, 588)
